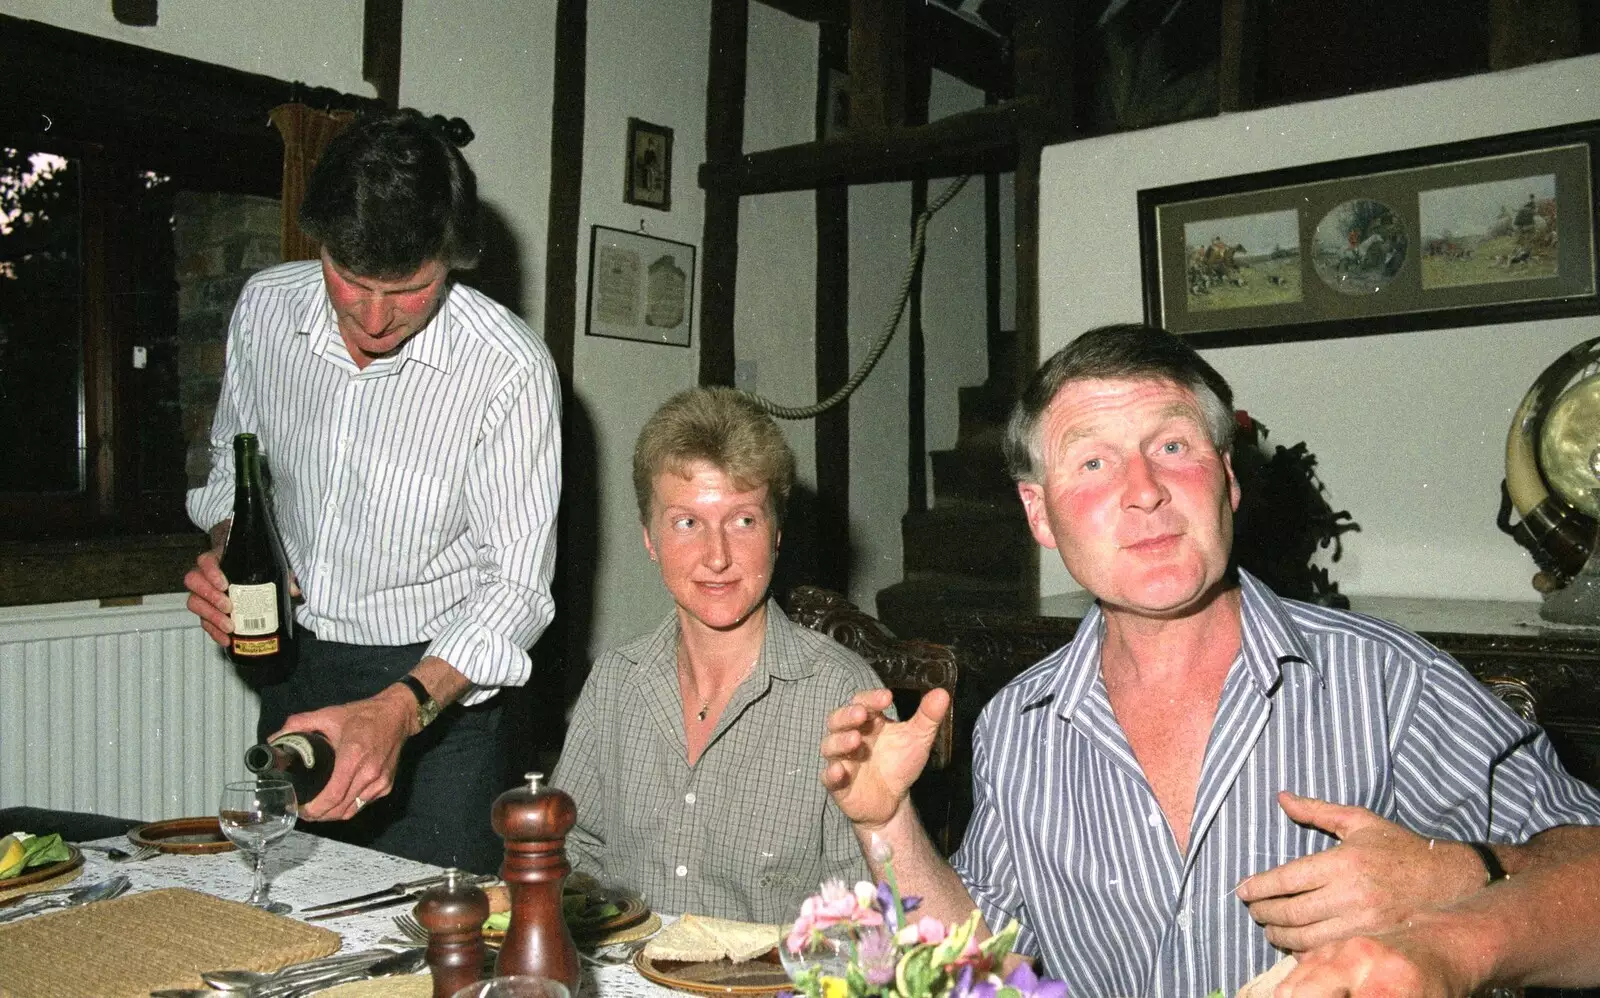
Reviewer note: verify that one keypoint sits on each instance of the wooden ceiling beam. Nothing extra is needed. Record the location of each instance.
(836, 11)
(971, 142)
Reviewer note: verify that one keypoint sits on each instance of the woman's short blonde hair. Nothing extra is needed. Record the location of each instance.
(722, 427)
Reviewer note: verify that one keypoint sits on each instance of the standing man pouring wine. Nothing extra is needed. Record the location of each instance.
(411, 430)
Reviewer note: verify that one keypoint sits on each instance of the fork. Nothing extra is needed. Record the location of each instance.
(117, 855)
(411, 928)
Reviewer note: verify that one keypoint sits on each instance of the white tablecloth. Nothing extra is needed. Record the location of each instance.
(306, 870)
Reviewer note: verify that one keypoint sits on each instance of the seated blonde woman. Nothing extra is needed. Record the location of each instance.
(692, 752)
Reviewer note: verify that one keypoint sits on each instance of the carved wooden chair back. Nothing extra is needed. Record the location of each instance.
(904, 666)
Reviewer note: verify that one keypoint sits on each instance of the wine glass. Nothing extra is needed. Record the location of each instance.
(255, 814)
(518, 986)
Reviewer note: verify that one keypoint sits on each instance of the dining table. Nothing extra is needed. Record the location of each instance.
(306, 870)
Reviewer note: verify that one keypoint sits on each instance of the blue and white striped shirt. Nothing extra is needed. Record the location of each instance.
(417, 497)
(1067, 837)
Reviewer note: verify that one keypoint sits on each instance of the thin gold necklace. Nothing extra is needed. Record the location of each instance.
(705, 702)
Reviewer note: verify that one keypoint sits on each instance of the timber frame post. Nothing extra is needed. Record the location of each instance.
(719, 245)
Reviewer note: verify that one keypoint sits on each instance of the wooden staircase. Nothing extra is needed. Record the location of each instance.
(971, 551)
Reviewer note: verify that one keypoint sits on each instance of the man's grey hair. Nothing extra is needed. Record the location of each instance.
(1123, 352)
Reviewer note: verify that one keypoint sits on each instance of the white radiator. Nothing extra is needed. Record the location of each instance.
(128, 711)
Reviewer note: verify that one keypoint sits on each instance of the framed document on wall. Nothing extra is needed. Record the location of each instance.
(640, 287)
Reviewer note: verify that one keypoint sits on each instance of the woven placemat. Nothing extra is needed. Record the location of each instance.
(407, 986)
(133, 945)
(43, 885)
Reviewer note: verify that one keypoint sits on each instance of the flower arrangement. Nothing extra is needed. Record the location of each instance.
(867, 941)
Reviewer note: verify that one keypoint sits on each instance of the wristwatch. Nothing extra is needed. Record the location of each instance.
(427, 707)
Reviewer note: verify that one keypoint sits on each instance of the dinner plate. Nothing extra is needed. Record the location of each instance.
(193, 836)
(631, 910)
(761, 976)
(40, 873)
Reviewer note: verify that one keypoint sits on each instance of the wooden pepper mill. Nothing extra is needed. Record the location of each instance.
(453, 913)
(534, 822)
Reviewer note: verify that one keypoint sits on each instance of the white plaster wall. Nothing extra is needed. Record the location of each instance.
(650, 67)
(776, 292)
(1409, 429)
(494, 69)
(315, 41)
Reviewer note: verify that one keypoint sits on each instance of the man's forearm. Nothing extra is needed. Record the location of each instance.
(918, 867)
(1537, 928)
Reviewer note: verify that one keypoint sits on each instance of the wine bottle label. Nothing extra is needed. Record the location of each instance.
(255, 611)
(300, 746)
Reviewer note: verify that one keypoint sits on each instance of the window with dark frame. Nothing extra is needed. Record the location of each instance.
(89, 366)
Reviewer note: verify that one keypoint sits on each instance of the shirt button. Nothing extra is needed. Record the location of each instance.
(1183, 918)
(682, 871)
(688, 798)
(1153, 819)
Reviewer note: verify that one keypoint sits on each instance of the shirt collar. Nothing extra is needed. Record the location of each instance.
(430, 346)
(1268, 636)
(782, 656)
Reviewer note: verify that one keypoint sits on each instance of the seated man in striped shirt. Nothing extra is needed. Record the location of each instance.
(1208, 776)
(413, 431)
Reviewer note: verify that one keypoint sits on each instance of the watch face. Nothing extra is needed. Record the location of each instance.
(426, 712)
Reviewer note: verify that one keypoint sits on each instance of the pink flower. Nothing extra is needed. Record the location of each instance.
(924, 930)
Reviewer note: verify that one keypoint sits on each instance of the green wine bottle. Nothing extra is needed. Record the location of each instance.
(257, 572)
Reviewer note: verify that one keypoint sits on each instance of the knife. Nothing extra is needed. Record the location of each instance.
(401, 888)
(387, 902)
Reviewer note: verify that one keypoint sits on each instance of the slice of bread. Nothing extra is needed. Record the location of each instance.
(697, 939)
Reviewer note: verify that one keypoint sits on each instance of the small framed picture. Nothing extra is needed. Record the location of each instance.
(640, 287)
(649, 175)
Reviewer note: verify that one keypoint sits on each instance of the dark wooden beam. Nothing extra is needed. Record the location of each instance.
(1042, 43)
(380, 48)
(1239, 59)
(835, 11)
(562, 238)
(971, 142)
(877, 65)
(1528, 31)
(967, 52)
(725, 90)
(832, 362)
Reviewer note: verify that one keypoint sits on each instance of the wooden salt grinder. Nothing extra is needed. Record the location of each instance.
(453, 913)
(534, 821)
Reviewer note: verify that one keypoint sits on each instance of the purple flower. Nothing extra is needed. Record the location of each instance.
(1033, 986)
(877, 956)
(964, 988)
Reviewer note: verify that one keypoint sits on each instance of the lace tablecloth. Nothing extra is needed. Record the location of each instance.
(306, 870)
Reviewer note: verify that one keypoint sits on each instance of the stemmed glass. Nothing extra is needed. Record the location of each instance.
(255, 814)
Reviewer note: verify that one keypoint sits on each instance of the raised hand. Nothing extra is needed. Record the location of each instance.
(1379, 875)
(871, 760)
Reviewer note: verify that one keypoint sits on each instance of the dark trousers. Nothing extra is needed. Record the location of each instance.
(448, 776)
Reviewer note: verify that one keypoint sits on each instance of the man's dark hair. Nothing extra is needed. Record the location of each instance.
(390, 193)
(1123, 352)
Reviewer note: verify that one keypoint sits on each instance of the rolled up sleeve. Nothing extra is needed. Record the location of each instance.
(513, 486)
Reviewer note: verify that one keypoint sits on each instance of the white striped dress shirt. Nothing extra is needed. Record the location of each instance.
(416, 497)
(1068, 838)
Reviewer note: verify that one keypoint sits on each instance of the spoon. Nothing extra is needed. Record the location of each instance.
(101, 891)
(403, 962)
(244, 980)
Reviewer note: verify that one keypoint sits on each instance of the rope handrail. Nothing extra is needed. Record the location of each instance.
(919, 238)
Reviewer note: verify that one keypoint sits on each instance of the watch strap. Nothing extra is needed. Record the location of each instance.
(1492, 870)
(427, 707)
